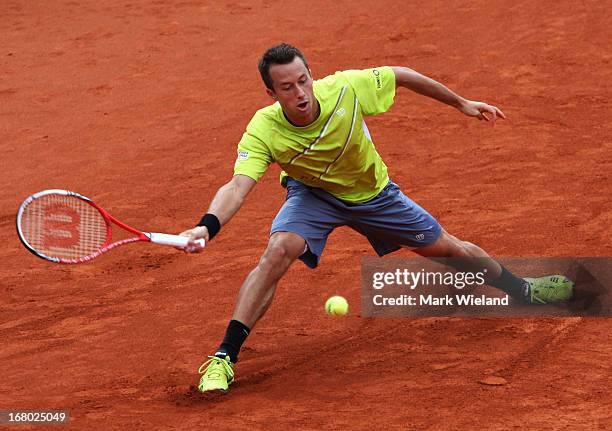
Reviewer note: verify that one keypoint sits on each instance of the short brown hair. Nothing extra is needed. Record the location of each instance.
(279, 54)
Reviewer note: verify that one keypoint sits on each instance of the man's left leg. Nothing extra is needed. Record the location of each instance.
(392, 220)
(470, 257)
(467, 254)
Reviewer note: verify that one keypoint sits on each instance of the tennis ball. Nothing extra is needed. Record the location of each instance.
(336, 306)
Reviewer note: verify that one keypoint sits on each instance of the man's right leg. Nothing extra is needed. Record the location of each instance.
(258, 289)
(254, 298)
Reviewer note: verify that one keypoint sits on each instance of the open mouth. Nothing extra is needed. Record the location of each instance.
(303, 105)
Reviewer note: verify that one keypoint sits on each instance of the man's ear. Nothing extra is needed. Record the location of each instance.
(271, 93)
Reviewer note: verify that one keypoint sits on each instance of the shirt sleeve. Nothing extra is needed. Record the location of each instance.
(375, 88)
(253, 157)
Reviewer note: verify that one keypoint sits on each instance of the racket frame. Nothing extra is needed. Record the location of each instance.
(158, 238)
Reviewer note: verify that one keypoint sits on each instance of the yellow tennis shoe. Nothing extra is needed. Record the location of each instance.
(552, 288)
(217, 374)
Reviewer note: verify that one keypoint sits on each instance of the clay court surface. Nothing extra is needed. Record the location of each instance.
(140, 105)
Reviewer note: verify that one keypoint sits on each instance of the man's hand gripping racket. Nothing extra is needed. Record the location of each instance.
(197, 237)
(66, 227)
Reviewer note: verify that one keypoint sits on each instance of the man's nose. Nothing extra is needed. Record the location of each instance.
(299, 91)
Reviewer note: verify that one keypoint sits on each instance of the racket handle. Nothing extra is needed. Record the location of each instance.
(173, 240)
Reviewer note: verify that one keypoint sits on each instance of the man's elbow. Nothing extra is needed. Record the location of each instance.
(403, 76)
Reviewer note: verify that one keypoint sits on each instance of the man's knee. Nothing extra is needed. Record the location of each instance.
(462, 248)
(448, 245)
(283, 248)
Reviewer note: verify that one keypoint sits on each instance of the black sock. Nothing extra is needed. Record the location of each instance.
(514, 286)
(235, 335)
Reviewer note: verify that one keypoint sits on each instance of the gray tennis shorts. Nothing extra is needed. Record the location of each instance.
(389, 221)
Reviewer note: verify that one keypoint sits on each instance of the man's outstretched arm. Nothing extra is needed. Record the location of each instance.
(225, 204)
(421, 84)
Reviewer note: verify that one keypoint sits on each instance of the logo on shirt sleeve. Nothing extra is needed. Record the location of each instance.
(243, 155)
(377, 79)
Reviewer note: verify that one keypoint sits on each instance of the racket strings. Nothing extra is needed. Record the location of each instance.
(65, 227)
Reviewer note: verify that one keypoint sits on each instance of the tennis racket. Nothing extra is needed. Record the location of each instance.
(66, 227)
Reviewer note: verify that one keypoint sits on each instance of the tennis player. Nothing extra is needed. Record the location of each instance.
(316, 132)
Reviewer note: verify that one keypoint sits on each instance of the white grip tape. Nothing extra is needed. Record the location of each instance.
(173, 240)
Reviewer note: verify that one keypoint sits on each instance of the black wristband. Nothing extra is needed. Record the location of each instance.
(212, 224)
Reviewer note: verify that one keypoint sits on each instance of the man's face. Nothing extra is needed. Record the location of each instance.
(292, 87)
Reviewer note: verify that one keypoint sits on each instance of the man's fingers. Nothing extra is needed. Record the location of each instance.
(193, 249)
(195, 245)
(490, 113)
(496, 112)
(493, 115)
(190, 247)
(195, 242)
(199, 242)
(499, 112)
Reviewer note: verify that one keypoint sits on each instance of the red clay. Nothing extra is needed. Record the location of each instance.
(140, 106)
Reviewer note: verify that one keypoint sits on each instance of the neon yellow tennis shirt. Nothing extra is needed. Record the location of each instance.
(335, 152)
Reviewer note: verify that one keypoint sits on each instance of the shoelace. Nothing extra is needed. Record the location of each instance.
(216, 361)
